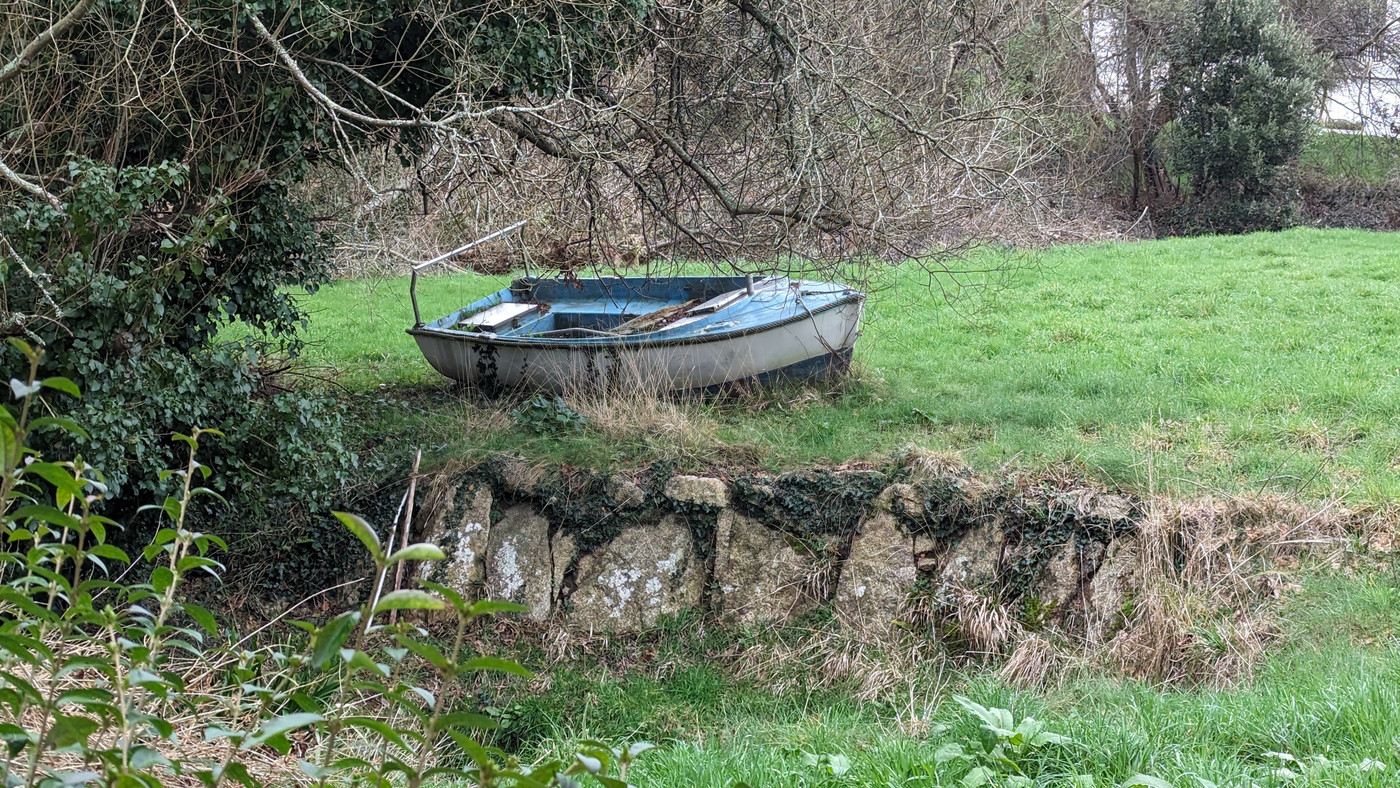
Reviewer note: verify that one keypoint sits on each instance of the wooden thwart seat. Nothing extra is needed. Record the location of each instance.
(500, 315)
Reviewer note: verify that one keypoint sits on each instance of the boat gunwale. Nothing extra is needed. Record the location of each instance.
(631, 340)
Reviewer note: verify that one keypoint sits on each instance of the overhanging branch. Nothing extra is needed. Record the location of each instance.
(12, 68)
(29, 186)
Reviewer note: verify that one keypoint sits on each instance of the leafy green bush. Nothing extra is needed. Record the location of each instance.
(127, 302)
(112, 678)
(160, 203)
(1003, 754)
(1243, 81)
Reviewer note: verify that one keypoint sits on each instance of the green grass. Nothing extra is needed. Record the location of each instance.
(1328, 691)
(1266, 361)
(1367, 158)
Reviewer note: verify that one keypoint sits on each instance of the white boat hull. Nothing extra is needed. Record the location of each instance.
(810, 345)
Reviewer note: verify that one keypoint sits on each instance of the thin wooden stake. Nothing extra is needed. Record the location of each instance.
(379, 583)
(407, 524)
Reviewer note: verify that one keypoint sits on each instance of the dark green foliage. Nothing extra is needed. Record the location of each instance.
(1243, 82)
(113, 696)
(577, 502)
(946, 513)
(1041, 519)
(819, 506)
(546, 415)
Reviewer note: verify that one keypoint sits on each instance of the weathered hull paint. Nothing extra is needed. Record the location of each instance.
(814, 344)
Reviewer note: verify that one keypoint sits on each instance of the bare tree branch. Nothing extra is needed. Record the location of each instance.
(29, 186)
(11, 70)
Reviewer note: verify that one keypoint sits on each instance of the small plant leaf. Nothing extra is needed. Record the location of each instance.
(468, 720)
(417, 552)
(497, 665)
(67, 731)
(977, 777)
(202, 617)
(588, 762)
(59, 423)
(489, 607)
(409, 599)
(62, 384)
(280, 726)
(331, 637)
(950, 752)
(363, 531)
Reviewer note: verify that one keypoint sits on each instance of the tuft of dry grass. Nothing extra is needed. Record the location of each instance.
(1208, 574)
(673, 425)
(870, 666)
(1036, 662)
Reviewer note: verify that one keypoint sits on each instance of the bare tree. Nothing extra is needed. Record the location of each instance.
(823, 132)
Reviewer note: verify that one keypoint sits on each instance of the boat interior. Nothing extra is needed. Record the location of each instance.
(611, 307)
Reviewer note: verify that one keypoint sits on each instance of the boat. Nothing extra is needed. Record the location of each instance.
(678, 333)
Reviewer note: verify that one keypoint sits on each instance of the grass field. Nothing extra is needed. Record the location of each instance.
(1367, 158)
(1266, 361)
(1331, 689)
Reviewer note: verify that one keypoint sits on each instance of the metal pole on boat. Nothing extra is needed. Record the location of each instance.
(748, 284)
(413, 278)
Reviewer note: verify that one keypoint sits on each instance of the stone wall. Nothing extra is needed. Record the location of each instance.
(876, 549)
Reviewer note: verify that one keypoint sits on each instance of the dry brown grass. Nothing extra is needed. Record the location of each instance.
(1203, 582)
(1209, 574)
(675, 425)
(869, 666)
(205, 702)
(1037, 662)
